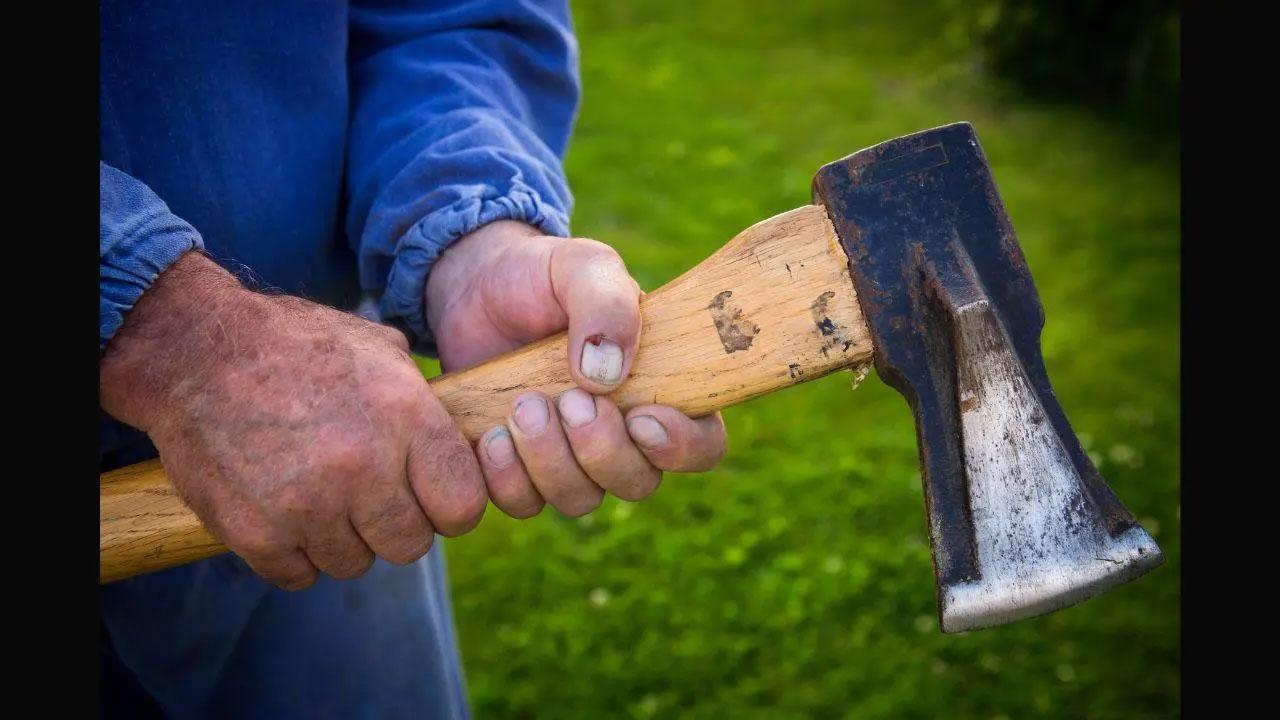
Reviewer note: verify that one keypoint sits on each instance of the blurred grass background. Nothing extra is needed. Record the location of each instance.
(794, 581)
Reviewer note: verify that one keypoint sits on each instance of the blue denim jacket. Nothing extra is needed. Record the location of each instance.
(330, 150)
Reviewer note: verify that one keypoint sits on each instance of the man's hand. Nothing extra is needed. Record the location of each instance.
(305, 438)
(506, 285)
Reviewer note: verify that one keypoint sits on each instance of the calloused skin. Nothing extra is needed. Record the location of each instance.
(307, 441)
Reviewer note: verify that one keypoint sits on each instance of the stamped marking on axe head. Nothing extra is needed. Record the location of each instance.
(1020, 520)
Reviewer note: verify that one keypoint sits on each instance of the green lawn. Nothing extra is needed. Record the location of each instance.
(794, 581)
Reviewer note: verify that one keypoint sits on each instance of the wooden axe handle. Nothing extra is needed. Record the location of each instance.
(774, 307)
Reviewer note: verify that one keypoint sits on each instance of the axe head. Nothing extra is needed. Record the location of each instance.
(1020, 520)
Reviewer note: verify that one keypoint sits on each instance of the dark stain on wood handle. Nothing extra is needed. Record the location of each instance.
(736, 332)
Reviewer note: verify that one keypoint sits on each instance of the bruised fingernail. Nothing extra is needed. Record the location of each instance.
(577, 407)
(498, 446)
(647, 431)
(602, 360)
(530, 414)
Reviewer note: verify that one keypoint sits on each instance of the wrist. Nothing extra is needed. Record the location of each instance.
(171, 336)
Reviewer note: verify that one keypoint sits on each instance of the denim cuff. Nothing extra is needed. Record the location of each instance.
(403, 302)
(138, 239)
(133, 264)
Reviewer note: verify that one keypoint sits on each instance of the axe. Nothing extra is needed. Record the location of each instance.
(906, 258)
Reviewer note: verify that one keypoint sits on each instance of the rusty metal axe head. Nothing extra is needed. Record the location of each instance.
(1020, 520)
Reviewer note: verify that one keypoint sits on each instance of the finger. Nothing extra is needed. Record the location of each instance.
(602, 447)
(547, 458)
(337, 550)
(510, 487)
(675, 442)
(602, 302)
(276, 560)
(391, 522)
(444, 473)
(269, 552)
(290, 570)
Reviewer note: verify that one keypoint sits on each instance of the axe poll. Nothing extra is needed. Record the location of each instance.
(907, 260)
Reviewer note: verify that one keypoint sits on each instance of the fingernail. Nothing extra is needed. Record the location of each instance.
(530, 414)
(647, 431)
(498, 446)
(602, 360)
(577, 407)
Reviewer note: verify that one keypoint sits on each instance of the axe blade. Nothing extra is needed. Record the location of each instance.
(1021, 522)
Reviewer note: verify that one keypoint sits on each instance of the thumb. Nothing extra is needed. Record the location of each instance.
(596, 292)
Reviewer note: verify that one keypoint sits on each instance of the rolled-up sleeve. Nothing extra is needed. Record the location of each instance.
(138, 239)
(461, 112)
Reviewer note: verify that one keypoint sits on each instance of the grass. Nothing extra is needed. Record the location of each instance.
(794, 580)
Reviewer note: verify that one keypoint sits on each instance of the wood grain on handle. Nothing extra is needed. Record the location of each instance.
(774, 307)
(143, 525)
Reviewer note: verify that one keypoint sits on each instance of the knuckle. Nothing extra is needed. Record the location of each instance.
(395, 337)
(350, 459)
(600, 251)
(406, 395)
(586, 250)
(585, 245)
(395, 393)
